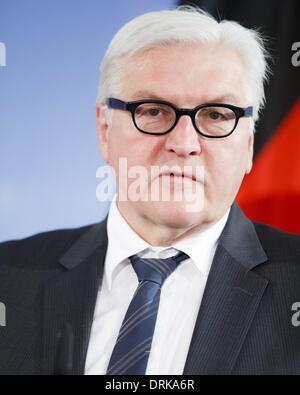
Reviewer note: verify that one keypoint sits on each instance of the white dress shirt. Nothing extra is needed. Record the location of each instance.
(180, 299)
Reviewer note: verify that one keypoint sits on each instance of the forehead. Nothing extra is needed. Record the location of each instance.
(185, 74)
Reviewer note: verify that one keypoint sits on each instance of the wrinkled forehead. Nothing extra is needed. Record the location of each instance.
(189, 74)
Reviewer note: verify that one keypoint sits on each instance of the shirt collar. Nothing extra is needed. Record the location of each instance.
(123, 242)
(201, 246)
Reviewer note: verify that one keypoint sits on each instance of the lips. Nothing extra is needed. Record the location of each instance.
(177, 173)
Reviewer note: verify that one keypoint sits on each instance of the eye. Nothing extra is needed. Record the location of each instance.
(215, 116)
(153, 112)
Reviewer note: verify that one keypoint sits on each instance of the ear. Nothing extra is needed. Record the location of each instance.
(250, 152)
(102, 130)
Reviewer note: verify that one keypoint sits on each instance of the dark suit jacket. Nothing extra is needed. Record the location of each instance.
(244, 324)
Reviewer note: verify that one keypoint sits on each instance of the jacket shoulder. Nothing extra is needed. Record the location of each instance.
(279, 245)
(40, 248)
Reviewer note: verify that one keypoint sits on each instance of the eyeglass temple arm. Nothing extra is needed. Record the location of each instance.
(116, 104)
(248, 112)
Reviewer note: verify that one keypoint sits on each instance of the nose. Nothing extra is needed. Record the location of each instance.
(183, 139)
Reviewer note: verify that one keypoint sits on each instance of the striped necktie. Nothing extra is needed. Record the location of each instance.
(131, 352)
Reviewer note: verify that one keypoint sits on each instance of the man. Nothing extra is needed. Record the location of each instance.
(176, 280)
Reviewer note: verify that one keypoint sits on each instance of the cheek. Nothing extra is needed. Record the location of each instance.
(226, 163)
(134, 149)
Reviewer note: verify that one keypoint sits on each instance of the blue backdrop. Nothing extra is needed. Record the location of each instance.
(48, 143)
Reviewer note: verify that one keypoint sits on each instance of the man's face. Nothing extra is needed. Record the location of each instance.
(186, 76)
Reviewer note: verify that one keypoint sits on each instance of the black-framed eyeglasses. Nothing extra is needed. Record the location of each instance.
(160, 117)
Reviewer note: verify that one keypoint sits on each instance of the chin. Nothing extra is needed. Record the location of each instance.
(175, 214)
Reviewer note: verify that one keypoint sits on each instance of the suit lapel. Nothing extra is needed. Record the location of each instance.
(231, 298)
(71, 297)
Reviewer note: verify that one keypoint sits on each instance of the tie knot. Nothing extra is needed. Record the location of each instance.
(156, 270)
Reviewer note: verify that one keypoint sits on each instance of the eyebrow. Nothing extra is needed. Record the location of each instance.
(223, 99)
(146, 95)
(143, 94)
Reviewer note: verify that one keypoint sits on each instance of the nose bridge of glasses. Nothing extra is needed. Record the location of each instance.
(186, 112)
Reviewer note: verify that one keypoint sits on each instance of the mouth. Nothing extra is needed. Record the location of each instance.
(178, 175)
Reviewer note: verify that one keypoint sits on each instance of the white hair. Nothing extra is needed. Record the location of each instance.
(185, 25)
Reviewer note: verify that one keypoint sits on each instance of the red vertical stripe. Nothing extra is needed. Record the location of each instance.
(271, 192)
